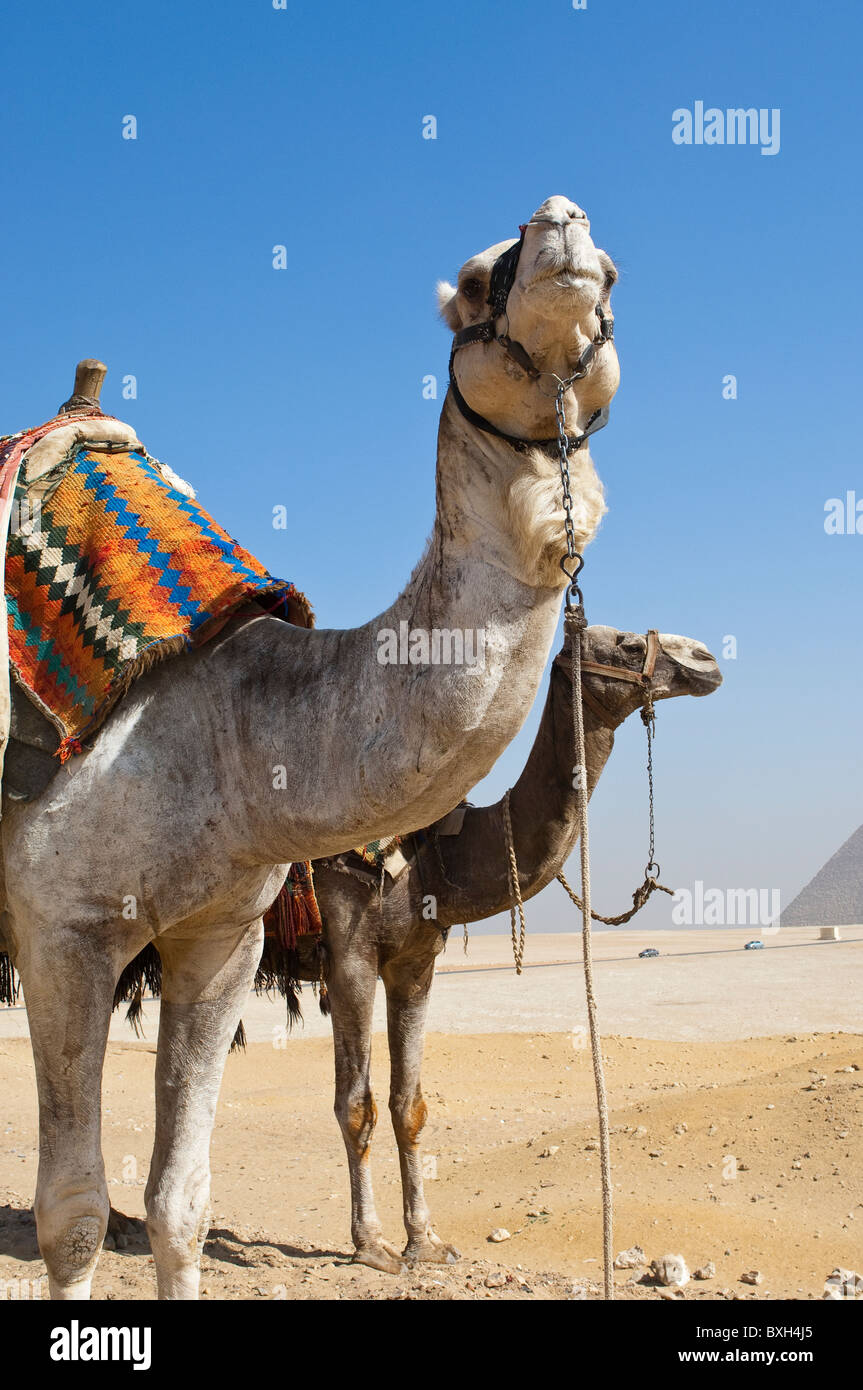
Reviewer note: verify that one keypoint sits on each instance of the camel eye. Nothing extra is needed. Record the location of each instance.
(610, 279)
(472, 289)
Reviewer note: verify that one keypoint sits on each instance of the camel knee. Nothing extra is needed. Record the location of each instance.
(409, 1114)
(178, 1221)
(71, 1225)
(357, 1115)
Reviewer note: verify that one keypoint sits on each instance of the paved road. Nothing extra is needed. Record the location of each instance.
(703, 987)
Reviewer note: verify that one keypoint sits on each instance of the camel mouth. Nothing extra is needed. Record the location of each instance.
(568, 277)
(703, 682)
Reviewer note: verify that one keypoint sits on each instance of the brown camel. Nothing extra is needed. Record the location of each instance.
(382, 926)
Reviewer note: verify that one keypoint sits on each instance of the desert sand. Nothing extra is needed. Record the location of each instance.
(735, 1088)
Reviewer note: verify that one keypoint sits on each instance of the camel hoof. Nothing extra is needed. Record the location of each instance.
(124, 1229)
(382, 1256)
(432, 1252)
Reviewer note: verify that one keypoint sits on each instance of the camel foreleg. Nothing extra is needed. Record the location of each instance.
(68, 979)
(205, 986)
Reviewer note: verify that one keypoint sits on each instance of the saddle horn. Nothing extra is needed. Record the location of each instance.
(89, 376)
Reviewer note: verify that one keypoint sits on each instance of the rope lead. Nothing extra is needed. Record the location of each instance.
(575, 623)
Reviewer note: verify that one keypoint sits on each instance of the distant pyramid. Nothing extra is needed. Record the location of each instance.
(834, 897)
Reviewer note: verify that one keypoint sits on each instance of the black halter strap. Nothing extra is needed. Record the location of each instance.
(501, 281)
(598, 420)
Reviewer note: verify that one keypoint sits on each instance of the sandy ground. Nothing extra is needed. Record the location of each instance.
(735, 1087)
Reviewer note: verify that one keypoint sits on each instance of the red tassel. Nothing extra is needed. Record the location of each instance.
(295, 912)
(68, 748)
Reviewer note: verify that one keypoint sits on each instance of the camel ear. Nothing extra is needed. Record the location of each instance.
(446, 302)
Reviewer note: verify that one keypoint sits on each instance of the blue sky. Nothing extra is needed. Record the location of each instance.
(302, 127)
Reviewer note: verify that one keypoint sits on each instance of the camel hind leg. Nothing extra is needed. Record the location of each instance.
(408, 983)
(68, 980)
(351, 984)
(205, 986)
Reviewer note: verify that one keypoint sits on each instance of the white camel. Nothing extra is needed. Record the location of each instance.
(274, 743)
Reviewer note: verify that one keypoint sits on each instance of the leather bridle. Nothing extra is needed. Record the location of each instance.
(644, 678)
(501, 281)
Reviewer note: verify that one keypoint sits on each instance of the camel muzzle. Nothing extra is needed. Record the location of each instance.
(501, 281)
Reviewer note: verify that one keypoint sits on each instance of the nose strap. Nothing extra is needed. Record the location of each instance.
(620, 673)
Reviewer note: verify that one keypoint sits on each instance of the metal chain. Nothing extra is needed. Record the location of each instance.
(563, 452)
(651, 882)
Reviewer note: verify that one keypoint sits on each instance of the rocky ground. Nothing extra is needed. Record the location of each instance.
(741, 1154)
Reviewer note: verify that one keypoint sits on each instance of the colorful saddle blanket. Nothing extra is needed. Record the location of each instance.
(113, 570)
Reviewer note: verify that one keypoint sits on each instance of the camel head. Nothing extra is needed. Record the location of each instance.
(525, 313)
(551, 312)
(683, 667)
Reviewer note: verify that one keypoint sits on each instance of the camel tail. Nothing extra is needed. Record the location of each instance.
(143, 972)
(9, 987)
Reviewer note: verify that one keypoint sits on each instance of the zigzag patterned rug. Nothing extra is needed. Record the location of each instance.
(119, 569)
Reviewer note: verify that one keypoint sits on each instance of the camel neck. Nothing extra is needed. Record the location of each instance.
(412, 709)
(544, 813)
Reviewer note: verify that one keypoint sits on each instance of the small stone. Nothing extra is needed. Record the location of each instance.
(707, 1271)
(655, 1153)
(500, 1233)
(633, 1258)
(752, 1276)
(495, 1280)
(675, 1292)
(670, 1270)
(681, 1128)
(842, 1284)
(550, 1151)
(796, 1163)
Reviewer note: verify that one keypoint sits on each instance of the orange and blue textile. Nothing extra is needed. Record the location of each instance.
(116, 570)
